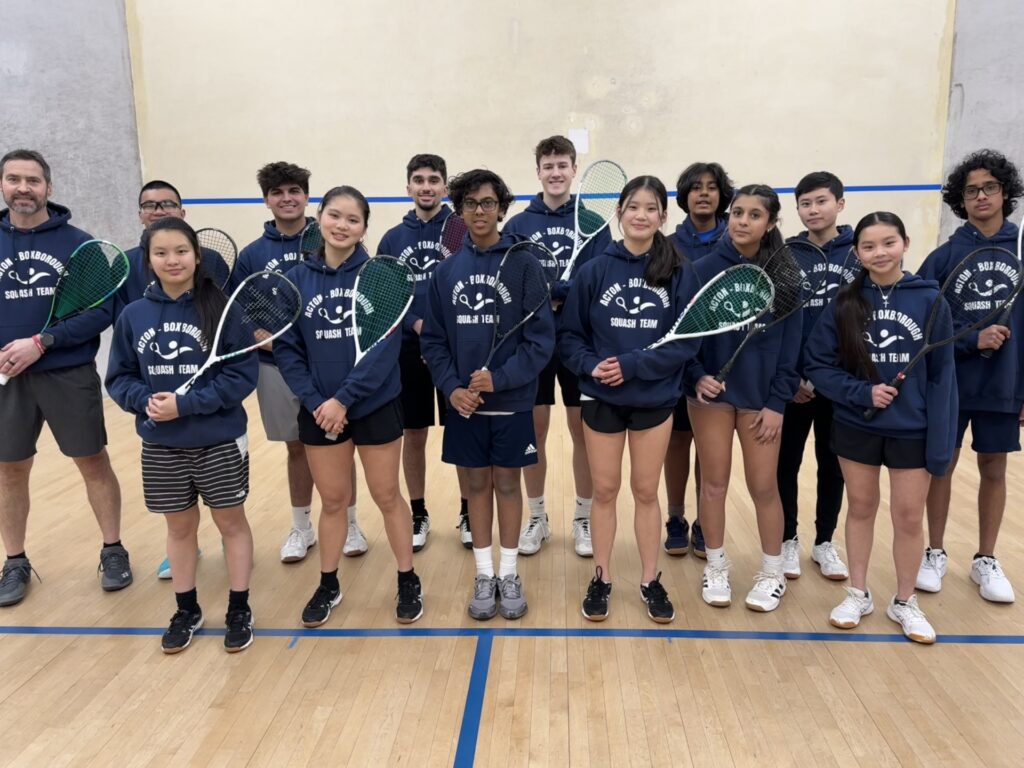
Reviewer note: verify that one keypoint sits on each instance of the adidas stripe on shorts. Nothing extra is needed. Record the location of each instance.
(173, 479)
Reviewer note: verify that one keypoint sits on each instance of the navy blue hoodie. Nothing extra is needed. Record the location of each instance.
(157, 346)
(31, 261)
(272, 251)
(764, 375)
(458, 331)
(927, 403)
(689, 242)
(418, 244)
(555, 229)
(316, 356)
(994, 384)
(612, 312)
(842, 267)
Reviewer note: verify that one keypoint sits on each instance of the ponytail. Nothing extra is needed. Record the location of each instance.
(662, 262)
(852, 312)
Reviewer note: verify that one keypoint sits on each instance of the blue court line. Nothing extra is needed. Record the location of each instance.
(641, 634)
(407, 200)
(465, 752)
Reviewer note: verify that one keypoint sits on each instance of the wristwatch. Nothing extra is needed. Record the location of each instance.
(46, 339)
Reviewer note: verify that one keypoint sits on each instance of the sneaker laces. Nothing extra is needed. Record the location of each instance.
(534, 524)
(12, 573)
(767, 582)
(656, 592)
(716, 576)
(408, 591)
(510, 587)
(322, 597)
(581, 527)
(295, 540)
(912, 609)
(989, 566)
(354, 532)
(676, 527)
(483, 588)
(598, 589)
(181, 621)
(852, 599)
(113, 560)
(417, 524)
(790, 549)
(238, 619)
(829, 554)
(463, 523)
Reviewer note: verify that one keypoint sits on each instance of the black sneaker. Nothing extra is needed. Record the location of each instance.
(409, 601)
(677, 536)
(420, 529)
(318, 609)
(14, 581)
(239, 635)
(115, 570)
(595, 604)
(184, 624)
(659, 607)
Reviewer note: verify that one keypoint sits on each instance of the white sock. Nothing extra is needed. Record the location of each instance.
(583, 508)
(300, 517)
(352, 514)
(484, 561)
(536, 505)
(675, 510)
(507, 562)
(716, 556)
(771, 563)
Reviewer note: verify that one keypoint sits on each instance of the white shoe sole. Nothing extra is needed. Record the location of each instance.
(850, 624)
(720, 602)
(923, 639)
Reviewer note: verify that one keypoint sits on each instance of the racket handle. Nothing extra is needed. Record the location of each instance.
(1003, 319)
(331, 435)
(896, 383)
(4, 380)
(870, 413)
(987, 353)
(149, 424)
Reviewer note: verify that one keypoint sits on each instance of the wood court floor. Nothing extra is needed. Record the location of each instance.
(83, 680)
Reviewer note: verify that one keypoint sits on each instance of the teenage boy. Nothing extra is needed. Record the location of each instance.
(489, 429)
(285, 188)
(819, 201)
(549, 220)
(51, 374)
(983, 189)
(417, 242)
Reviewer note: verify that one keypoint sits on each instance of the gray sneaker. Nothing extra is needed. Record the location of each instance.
(14, 581)
(511, 603)
(115, 571)
(483, 606)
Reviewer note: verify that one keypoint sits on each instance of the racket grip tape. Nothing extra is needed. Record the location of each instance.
(4, 380)
(1003, 319)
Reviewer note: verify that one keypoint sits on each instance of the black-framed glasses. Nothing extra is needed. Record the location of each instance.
(990, 188)
(159, 205)
(487, 205)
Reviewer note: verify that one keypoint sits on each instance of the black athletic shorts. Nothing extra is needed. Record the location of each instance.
(876, 450)
(568, 382)
(377, 428)
(681, 417)
(418, 391)
(612, 419)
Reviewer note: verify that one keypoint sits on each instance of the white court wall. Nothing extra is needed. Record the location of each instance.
(352, 89)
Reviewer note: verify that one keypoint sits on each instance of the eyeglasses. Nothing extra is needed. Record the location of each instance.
(159, 205)
(989, 188)
(487, 205)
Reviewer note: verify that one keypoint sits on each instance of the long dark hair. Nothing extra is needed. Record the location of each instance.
(208, 298)
(664, 259)
(853, 309)
(772, 239)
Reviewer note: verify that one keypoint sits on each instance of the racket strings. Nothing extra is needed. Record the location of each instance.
(268, 305)
(740, 295)
(798, 272)
(383, 289)
(980, 286)
(599, 192)
(94, 272)
(453, 235)
(312, 239)
(521, 288)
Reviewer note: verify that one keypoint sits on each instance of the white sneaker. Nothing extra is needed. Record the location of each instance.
(992, 582)
(791, 558)
(355, 542)
(581, 537)
(912, 619)
(933, 568)
(848, 613)
(536, 532)
(767, 592)
(420, 529)
(298, 543)
(828, 560)
(715, 588)
(465, 536)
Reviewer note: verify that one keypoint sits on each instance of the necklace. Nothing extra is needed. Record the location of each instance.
(885, 296)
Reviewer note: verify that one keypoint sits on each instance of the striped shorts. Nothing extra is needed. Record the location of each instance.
(173, 479)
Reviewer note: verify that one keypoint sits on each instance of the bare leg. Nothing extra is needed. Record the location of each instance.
(104, 493)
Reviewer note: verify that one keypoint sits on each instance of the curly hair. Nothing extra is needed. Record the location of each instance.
(1004, 171)
(691, 175)
(470, 181)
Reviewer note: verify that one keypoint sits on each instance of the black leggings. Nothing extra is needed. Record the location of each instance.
(796, 426)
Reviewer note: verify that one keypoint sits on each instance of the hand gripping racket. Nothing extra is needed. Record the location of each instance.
(797, 272)
(978, 289)
(1004, 317)
(93, 273)
(596, 200)
(218, 244)
(261, 309)
(381, 297)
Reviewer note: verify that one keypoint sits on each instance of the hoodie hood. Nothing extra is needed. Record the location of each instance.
(696, 245)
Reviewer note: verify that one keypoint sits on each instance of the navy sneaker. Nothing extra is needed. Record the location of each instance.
(677, 536)
(697, 541)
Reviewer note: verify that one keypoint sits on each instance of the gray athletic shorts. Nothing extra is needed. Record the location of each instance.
(69, 400)
(279, 408)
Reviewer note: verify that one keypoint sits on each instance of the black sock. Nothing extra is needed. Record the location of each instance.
(329, 580)
(115, 544)
(419, 507)
(20, 554)
(818, 541)
(464, 507)
(187, 601)
(404, 576)
(238, 601)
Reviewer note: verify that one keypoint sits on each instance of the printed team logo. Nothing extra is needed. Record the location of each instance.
(887, 329)
(421, 258)
(476, 299)
(835, 277)
(32, 274)
(335, 309)
(635, 305)
(170, 342)
(981, 288)
(286, 262)
(558, 240)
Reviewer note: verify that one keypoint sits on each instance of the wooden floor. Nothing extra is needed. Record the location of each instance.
(83, 680)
